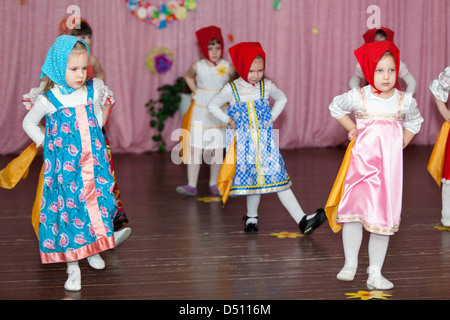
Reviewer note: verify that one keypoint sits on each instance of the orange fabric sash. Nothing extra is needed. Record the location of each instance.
(36, 212)
(227, 172)
(18, 168)
(337, 191)
(436, 163)
(184, 137)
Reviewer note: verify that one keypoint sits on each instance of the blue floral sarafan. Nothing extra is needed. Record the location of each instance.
(78, 203)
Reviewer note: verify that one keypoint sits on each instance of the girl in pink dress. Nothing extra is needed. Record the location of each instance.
(386, 122)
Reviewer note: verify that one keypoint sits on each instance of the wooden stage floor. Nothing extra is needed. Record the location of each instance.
(184, 248)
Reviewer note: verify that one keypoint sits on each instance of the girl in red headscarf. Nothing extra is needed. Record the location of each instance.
(383, 34)
(206, 135)
(368, 191)
(258, 168)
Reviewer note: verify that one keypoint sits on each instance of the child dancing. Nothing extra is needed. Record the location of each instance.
(258, 168)
(205, 78)
(78, 203)
(95, 70)
(368, 191)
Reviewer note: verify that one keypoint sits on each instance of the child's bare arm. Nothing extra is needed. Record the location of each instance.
(407, 137)
(190, 78)
(347, 122)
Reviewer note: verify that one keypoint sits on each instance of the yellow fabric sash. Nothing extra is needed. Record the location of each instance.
(337, 191)
(227, 172)
(36, 212)
(184, 137)
(436, 163)
(18, 168)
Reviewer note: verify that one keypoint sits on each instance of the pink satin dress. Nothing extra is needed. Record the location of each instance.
(374, 181)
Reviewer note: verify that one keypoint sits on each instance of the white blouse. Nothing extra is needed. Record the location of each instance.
(440, 87)
(247, 92)
(39, 106)
(351, 102)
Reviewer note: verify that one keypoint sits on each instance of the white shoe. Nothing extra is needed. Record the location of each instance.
(445, 221)
(347, 274)
(73, 282)
(121, 235)
(377, 281)
(96, 262)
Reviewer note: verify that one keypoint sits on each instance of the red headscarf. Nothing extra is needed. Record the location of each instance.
(369, 54)
(369, 36)
(243, 55)
(205, 35)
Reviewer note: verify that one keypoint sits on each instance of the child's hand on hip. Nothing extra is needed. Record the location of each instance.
(352, 134)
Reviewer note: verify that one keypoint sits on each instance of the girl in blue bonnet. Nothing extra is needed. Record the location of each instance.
(78, 201)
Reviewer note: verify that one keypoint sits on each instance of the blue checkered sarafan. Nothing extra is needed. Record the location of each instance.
(259, 166)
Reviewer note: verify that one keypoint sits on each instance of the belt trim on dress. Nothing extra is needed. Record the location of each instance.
(205, 89)
(380, 116)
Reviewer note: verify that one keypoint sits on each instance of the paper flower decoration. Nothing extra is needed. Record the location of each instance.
(285, 234)
(161, 15)
(443, 228)
(210, 199)
(159, 60)
(221, 71)
(364, 295)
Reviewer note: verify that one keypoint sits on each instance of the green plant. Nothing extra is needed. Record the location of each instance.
(165, 107)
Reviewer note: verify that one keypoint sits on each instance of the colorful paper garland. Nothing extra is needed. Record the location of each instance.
(159, 60)
(161, 15)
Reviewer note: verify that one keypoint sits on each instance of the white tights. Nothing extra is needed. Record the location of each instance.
(73, 282)
(445, 219)
(193, 167)
(286, 197)
(352, 234)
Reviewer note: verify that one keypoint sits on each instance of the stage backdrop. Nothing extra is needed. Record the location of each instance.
(309, 45)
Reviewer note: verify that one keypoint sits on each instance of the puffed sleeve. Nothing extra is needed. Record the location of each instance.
(30, 123)
(102, 93)
(223, 97)
(413, 119)
(344, 104)
(30, 98)
(103, 96)
(441, 87)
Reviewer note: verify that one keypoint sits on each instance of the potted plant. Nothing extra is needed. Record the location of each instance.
(171, 99)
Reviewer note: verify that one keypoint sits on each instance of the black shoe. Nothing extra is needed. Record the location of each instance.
(250, 227)
(307, 226)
